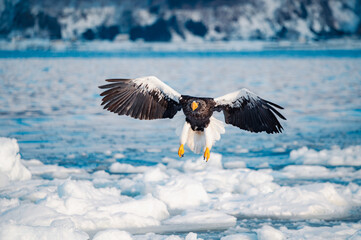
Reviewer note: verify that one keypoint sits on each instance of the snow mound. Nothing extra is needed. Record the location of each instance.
(312, 172)
(126, 168)
(11, 168)
(204, 219)
(350, 156)
(319, 200)
(113, 234)
(268, 232)
(182, 193)
(58, 230)
(39, 169)
(95, 208)
(343, 231)
(186, 195)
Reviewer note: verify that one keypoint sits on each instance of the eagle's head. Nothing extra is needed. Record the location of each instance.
(198, 106)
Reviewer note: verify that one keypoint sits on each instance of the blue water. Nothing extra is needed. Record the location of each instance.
(50, 103)
(271, 53)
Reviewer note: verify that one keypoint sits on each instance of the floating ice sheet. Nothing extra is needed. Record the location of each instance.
(187, 195)
(350, 156)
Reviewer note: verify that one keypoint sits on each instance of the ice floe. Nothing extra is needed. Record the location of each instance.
(57, 230)
(11, 167)
(187, 195)
(126, 168)
(350, 156)
(112, 234)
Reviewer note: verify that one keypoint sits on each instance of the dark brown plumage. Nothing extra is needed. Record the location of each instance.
(126, 98)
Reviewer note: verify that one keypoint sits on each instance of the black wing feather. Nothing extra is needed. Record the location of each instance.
(252, 113)
(124, 97)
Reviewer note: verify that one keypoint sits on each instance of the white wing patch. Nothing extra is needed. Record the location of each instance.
(153, 84)
(235, 99)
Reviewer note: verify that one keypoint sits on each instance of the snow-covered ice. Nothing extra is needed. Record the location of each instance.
(188, 196)
(11, 167)
(350, 156)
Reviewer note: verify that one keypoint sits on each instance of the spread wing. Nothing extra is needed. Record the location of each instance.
(141, 98)
(247, 111)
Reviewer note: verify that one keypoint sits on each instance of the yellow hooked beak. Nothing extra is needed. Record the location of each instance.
(194, 105)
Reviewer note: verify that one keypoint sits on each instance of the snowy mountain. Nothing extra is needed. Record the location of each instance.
(172, 20)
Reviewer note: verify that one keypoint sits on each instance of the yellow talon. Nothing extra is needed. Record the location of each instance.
(207, 154)
(181, 151)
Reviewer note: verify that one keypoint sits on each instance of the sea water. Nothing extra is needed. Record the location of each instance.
(70, 167)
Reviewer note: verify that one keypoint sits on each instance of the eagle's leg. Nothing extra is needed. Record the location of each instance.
(183, 138)
(209, 144)
(181, 151)
(207, 154)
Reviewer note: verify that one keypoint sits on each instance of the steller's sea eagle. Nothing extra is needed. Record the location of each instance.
(149, 98)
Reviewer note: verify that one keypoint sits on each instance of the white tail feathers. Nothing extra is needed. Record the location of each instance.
(214, 130)
(197, 141)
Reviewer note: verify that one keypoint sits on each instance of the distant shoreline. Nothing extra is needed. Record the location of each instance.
(46, 48)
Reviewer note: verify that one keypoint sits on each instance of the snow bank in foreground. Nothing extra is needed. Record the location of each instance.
(350, 156)
(11, 168)
(185, 195)
(58, 230)
(302, 202)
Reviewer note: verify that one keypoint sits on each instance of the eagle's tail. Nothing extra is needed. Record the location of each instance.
(197, 141)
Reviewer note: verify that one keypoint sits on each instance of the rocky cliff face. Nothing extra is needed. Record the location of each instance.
(173, 20)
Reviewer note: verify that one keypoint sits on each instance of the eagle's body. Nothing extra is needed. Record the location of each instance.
(199, 118)
(149, 98)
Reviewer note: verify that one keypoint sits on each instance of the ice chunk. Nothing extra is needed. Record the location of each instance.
(146, 206)
(319, 172)
(268, 232)
(191, 236)
(182, 193)
(89, 208)
(343, 231)
(29, 232)
(155, 175)
(350, 156)
(320, 200)
(202, 220)
(30, 215)
(112, 234)
(92, 208)
(37, 168)
(239, 236)
(126, 168)
(215, 162)
(11, 167)
(196, 164)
